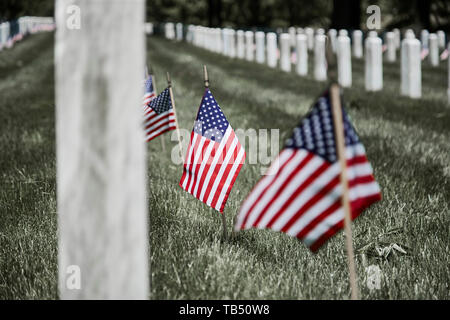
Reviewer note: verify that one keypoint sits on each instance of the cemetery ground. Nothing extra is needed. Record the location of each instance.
(407, 142)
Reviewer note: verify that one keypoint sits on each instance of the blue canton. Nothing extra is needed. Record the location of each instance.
(315, 132)
(211, 122)
(162, 102)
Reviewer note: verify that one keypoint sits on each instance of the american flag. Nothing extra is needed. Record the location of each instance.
(301, 193)
(149, 94)
(159, 115)
(214, 156)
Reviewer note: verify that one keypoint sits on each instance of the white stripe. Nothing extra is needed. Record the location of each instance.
(230, 153)
(197, 159)
(205, 160)
(262, 184)
(274, 188)
(359, 191)
(191, 149)
(231, 173)
(320, 182)
(218, 156)
(287, 192)
(155, 133)
(155, 125)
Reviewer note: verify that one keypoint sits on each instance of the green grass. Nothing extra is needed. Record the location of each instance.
(407, 142)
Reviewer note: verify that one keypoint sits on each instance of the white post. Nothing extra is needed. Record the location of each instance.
(271, 49)
(320, 31)
(411, 74)
(100, 152)
(332, 33)
(225, 43)
(249, 46)
(232, 43)
(397, 38)
(409, 34)
(292, 33)
(441, 37)
(357, 36)
(260, 54)
(302, 55)
(179, 32)
(374, 63)
(391, 46)
(448, 71)
(424, 35)
(285, 52)
(240, 44)
(310, 35)
(344, 61)
(320, 63)
(434, 49)
(343, 32)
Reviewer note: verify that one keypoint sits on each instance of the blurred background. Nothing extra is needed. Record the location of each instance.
(347, 14)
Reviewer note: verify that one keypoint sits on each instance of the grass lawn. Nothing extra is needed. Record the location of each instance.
(407, 142)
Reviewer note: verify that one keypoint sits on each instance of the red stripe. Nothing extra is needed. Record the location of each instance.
(183, 177)
(216, 170)
(199, 163)
(228, 167)
(191, 161)
(300, 189)
(160, 133)
(238, 169)
(291, 175)
(160, 124)
(357, 207)
(280, 170)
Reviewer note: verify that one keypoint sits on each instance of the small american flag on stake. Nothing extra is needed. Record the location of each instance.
(301, 194)
(159, 115)
(214, 156)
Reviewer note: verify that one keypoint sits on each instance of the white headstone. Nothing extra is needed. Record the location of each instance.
(271, 49)
(374, 63)
(310, 35)
(357, 43)
(434, 49)
(179, 31)
(411, 74)
(249, 45)
(300, 31)
(424, 34)
(320, 31)
(397, 37)
(391, 46)
(302, 55)
(343, 32)
(441, 39)
(332, 33)
(225, 42)
(344, 61)
(320, 63)
(100, 152)
(169, 29)
(409, 34)
(285, 52)
(260, 50)
(240, 44)
(292, 33)
(232, 42)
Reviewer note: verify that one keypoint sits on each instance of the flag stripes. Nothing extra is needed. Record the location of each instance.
(214, 156)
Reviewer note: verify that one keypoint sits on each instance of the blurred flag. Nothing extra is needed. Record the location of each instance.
(159, 114)
(149, 91)
(214, 156)
(424, 53)
(301, 194)
(444, 55)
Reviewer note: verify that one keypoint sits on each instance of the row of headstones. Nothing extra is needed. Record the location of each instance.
(263, 47)
(13, 31)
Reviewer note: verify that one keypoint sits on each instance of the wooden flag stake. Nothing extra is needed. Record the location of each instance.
(224, 220)
(163, 144)
(205, 74)
(340, 144)
(169, 83)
